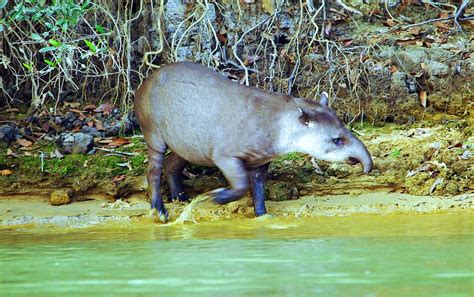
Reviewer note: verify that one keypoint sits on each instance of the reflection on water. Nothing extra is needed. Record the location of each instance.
(348, 256)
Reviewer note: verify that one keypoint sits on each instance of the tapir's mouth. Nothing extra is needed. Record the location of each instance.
(352, 161)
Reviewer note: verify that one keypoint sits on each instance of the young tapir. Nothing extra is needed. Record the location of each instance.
(206, 119)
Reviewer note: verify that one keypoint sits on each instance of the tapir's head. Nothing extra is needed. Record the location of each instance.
(317, 131)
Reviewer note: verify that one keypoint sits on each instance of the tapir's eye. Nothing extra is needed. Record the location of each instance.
(338, 141)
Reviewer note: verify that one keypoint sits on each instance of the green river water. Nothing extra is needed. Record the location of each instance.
(390, 255)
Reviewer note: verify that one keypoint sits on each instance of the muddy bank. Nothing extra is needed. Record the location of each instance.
(417, 159)
(29, 212)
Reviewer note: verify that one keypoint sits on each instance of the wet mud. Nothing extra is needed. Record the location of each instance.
(36, 212)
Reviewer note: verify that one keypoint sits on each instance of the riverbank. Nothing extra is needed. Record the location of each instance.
(35, 212)
(418, 169)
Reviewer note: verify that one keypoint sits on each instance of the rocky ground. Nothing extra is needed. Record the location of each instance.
(97, 173)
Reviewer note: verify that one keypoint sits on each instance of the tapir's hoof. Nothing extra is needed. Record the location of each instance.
(219, 196)
(158, 217)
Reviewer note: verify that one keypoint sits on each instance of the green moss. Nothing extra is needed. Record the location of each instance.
(67, 165)
(29, 163)
(103, 166)
(138, 164)
(291, 157)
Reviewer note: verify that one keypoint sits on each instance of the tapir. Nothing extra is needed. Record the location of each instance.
(206, 119)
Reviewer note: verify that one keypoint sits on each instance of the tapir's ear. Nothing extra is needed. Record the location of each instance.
(324, 99)
(305, 116)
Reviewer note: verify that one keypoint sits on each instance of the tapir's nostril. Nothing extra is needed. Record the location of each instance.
(353, 161)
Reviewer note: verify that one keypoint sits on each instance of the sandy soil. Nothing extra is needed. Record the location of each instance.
(27, 211)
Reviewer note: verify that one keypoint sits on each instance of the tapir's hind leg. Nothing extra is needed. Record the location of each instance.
(258, 179)
(174, 166)
(235, 173)
(155, 164)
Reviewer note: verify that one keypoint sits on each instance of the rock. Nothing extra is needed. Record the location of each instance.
(411, 84)
(112, 130)
(133, 120)
(59, 197)
(285, 21)
(438, 54)
(230, 20)
(184, 53)
(8, 133)
(69, 118)
(233, 206)
(174, 13)
(437, 68)
(412, 58)
(386, 55)
(315, 57)
(278, 191)
(75, 143)
(294, 193)
(398, 83)
(91, 131)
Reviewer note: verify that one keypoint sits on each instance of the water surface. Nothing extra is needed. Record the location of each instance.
(393, 255)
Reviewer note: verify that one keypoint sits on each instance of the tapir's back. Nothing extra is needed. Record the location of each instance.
(197, 111)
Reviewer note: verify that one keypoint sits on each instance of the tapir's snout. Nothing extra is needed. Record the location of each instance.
(368, 165)
(352, 161)
(361, 155)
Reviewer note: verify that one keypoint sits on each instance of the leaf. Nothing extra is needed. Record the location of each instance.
(423, 99)
(268, 6)
(6, 172)
(54, 42)
(327, 29)
(50, 63)
(441, 25)
(99, 29)
(24, 142)
(27, 66)
(222, 38)
(10, 153)
(415, 30)
(86, 4)
(56, 154)
(347, 42)
(119, 141)
(118, 178)
(126, 164)
(90, 107)
(36, 37)
(105, 108)
(91, 46)
(395, 153)
(47, 49)
(99, 126)
(46, 126)
(3, 3)
(1, 28)
(390, 22)
(71, 104)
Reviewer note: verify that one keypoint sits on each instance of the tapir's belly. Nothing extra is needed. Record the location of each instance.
(203, 123)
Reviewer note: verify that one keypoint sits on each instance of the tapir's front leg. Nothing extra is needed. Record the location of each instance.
(155, 164)
(235, 173)
(258, 179)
